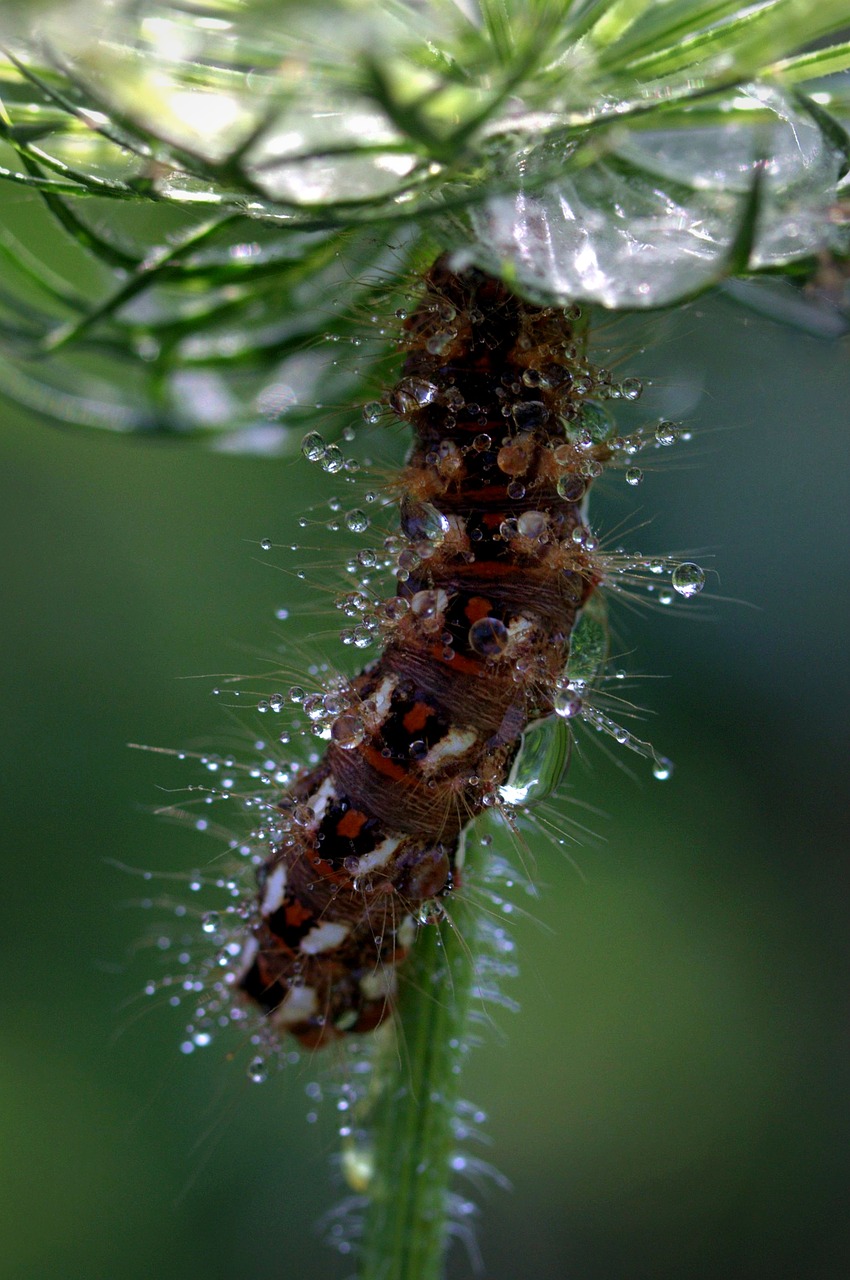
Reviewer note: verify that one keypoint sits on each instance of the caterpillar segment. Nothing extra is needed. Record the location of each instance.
(491, 583)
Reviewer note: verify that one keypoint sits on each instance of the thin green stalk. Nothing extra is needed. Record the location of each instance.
(405, 1230)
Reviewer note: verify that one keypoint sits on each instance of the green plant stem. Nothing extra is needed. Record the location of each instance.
(405, 1229)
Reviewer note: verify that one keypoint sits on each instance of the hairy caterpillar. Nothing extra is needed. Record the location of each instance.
(495, 566)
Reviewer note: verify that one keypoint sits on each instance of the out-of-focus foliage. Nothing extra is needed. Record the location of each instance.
(237, 183)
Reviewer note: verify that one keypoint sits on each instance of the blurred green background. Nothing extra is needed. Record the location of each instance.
(671, 1099)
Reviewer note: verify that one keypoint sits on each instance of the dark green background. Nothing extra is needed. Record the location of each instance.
(671, 1100)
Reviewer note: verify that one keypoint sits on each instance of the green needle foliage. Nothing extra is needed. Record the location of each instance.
(237, 185)
(220, 171)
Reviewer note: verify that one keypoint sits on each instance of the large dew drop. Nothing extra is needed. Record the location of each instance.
(348, 731)
(688, 579)
(540, 763)
(488, 637)
(313, 446)
(422, 521)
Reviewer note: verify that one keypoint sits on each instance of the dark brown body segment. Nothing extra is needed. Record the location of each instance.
(490, 586)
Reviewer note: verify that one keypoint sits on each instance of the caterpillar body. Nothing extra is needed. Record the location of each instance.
(495, 568)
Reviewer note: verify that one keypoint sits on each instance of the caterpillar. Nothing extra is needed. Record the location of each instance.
(496, 568)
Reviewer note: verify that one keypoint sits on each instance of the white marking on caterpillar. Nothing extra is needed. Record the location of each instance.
(319, 802)
(381, 699)
(324, 937)
(519, 628)
(378, 857)
(406, 932)
(431, 603)
(299, 1004)
(274, 890)
(380, 985)
(247, 957)
(455, 742)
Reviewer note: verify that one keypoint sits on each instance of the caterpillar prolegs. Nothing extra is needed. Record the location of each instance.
(495, 568)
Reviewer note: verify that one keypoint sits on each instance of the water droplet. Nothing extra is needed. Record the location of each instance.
(662, 768)
(529, 414)
(210, 921)
(357, 521)
(588, 644)
(257, 1070)
(314, 706)
(422, 522)
(431, 912)
(595, 422)
(438, 342)
(539, 764)
(394, 608)
(571, 487)
(567, 704)
(688, 579)
(372, 411)
(313, 446)
(348, 731)
(634, 475)
(332, 460)
(631, 388)
(358, 1165)
(488, 637)
(430, 605)
(667, 433)
(532, 524)
(412, 394)
(266, 544)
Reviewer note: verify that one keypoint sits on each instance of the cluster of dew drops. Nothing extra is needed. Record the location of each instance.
(423, 527)
(592, 425)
